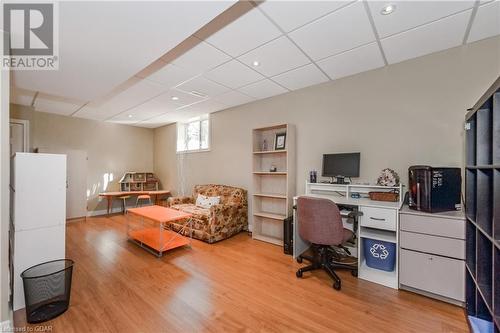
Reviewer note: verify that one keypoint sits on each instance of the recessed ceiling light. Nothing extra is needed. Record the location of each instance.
(130, 116)
(256, 63)
(175, 98)
(388, 9)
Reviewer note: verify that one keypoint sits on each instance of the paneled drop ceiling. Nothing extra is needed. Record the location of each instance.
(273, 48)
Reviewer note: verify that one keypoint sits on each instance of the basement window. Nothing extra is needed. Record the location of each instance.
(194, 135)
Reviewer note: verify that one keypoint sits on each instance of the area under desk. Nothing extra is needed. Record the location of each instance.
(379, 220)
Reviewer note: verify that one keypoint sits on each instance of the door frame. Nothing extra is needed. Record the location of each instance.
(26, 134)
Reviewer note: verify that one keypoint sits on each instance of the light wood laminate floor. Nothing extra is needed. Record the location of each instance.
(237, 285)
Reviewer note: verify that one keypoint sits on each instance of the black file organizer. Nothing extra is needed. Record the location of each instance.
(482, 207)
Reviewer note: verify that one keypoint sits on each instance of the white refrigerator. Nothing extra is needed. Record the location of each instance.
(38, 214)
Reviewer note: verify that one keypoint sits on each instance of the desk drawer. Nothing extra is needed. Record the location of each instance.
(434, 274)
(437, 226)
(380, 218)
(449, 247)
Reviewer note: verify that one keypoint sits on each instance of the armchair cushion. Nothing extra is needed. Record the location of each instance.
(179, 200)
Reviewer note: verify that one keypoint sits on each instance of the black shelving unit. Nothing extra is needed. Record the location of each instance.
(482, 207)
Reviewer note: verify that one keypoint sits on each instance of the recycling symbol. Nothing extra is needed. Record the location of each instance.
(379, 251)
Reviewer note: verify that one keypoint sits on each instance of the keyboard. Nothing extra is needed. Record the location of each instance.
(345, 212)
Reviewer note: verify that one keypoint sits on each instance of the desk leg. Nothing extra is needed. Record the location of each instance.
(110, 201)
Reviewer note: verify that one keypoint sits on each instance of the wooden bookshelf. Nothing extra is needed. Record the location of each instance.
(273, 191)
(482, 207)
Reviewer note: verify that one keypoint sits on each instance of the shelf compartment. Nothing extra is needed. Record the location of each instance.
(484, 268)
(484, 137)
(264, 162)
(268, 134)
(274, 206)
(382, 235)
(482, 310)
(496, 285)
(267, 230)
(496, 128)
(470, 196)
(470, 247)
(470, 294)
(470, 141)
(496, 206)
(269, 184)
(484, 200)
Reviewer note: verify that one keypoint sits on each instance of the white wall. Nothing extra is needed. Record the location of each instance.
(401, 115)
(112, 149)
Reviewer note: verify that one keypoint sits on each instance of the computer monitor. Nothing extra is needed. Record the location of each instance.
(341, 165)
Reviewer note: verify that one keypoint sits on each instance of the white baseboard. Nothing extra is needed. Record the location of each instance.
(6, 326)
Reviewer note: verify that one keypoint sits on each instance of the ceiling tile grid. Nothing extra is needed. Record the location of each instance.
(302, 77)
(334, 33)
(355, 61)
(433, 37)
(233, 74)
(487, 22)
(281, 46)
(275, 57)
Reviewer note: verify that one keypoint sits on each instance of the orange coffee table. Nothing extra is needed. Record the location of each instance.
(148, 227)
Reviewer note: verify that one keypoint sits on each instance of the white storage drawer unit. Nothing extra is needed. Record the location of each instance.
(379, 218)
(432, 254)
(435, 274)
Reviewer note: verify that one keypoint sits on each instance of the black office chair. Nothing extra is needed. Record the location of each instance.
(321, 224)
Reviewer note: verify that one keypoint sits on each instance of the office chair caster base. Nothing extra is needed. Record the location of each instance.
(337, 285)
(299, 260)
(354, 273)
(298, 273)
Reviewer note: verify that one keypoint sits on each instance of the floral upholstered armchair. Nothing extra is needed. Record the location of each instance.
(219, 221)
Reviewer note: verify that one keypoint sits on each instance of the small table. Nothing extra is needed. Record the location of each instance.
(151, 230)
(111, 195)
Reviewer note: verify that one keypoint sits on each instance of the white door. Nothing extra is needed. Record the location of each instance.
(76, 194)
(19, 135)
(76, 182)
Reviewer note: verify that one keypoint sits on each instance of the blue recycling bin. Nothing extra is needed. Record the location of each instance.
(379, 254)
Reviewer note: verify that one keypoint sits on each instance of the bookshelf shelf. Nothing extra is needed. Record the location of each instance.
(482, 206)
(272, 190)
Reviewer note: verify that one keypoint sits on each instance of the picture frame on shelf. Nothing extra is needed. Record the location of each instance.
(280, 141)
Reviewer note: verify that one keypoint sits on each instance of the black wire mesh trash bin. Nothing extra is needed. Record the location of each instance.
(47, 288)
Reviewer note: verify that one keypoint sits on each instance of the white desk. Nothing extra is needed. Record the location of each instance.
(380, 220)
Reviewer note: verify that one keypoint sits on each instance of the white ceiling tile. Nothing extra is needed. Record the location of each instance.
(171, 75)
(159, 105)
(486, 23)
(262, 89)
(301, 77)
(355, 61)
(337, 32)
(51, 104)
(275, 57)
(21, 96)
(293, 14)
(202, 86)
(233, 74)
(429, 38)
(233, 98)
(103, 43)
(201, 58)
(245, 33)
(158, 121)
(137, 94)
(207, 106)
(410, 14)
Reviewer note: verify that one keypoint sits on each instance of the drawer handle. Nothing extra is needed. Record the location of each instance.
(376, 219)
